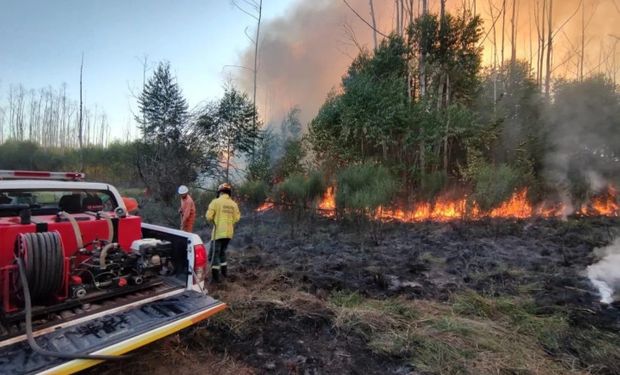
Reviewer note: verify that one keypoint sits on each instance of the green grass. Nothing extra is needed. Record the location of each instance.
(474, 334)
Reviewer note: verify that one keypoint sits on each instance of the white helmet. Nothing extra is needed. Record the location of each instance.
(182, 190)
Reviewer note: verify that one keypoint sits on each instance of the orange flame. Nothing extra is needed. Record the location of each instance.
(517, 207)
(328, 202)
(604, 204)
(265, 207)
(445, 209)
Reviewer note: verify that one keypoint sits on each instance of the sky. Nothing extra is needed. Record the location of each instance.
(305, 47)
(42, 41)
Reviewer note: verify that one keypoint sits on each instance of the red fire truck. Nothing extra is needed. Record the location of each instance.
(82, 280)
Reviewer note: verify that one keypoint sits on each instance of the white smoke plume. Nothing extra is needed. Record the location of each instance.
(605, 275)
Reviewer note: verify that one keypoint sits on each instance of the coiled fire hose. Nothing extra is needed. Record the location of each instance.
(31, 341)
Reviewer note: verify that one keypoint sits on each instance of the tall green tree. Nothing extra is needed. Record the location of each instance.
(163, 110)
(169, 152)
(231, 125)
(381, 113)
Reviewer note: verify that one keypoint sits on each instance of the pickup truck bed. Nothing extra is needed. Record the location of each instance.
(113, 334)
(100, 280)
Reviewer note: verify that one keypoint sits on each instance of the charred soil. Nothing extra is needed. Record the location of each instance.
(483, 297)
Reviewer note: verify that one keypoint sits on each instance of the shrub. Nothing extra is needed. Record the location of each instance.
(432, 184)
(298, 193)
(291, 191)
(363, 188)
(254, 192)
(301, 190)
(494, 185)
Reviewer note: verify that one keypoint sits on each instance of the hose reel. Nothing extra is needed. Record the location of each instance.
(43, 258)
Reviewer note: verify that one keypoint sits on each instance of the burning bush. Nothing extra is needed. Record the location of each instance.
(298, 193)
(363, 188)
(494, 185)
(254, 192)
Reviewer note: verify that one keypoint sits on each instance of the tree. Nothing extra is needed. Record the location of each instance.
(231, 125)
(260, 167)
(170, 152)
(163, 109)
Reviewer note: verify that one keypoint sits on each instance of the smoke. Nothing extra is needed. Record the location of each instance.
(304, 54)
(583, 119)
(302, 57)
(605, 275)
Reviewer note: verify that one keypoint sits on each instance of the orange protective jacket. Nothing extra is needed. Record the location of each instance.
(188, 214)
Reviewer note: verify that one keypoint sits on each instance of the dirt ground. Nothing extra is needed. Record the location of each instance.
(485, 297)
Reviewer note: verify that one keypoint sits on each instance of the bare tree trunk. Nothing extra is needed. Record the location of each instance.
(583, 40)
(503, 31)
(422, 143)
(397, 5)
(256, 42)
(549, 49)
(531, 45)
(541, 41)
(494, 58)
(442, 11)
(374, 24)
(513, 51)
(80, 120)
(447, 131)
(402, 17)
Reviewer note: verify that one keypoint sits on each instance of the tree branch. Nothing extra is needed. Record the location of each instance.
(237, 66)
(567, 20)
(236, 5)
(363, 20)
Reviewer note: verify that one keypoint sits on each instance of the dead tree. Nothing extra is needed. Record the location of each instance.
(374, 24)
(503, 31)
(549, 49)
(256, 12)
(513, 51)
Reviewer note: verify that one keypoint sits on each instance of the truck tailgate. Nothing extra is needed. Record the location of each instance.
(114, 334)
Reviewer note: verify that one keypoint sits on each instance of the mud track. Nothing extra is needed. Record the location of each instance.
(287, 313)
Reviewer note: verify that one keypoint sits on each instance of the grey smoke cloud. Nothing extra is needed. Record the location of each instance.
(304, 54)
(584, 120)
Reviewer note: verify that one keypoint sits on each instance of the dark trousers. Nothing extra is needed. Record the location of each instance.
(217, 255)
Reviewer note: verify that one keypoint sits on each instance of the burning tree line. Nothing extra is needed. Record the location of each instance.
(457, 139)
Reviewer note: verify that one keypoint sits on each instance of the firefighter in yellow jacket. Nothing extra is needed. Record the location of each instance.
(223, 213)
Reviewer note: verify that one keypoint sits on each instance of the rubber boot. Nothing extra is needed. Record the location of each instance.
(224, 271)
(215, 275)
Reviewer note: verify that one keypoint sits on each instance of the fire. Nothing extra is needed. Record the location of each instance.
(445, 209)
(328, 202)
(265, 207)
(604, 204)
(517, 207)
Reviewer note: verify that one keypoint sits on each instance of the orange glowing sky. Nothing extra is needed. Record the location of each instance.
(304, 53)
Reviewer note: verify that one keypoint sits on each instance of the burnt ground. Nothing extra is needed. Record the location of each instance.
(485, 297)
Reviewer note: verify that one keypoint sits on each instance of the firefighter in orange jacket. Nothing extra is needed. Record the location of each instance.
(187, 210)
(223, 213)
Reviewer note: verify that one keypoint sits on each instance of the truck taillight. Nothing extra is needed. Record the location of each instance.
(200, 262)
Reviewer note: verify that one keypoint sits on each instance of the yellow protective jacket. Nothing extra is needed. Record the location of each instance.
(224, 213)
